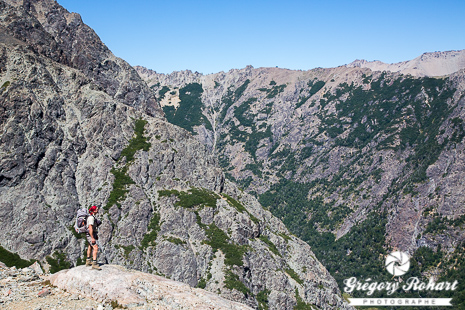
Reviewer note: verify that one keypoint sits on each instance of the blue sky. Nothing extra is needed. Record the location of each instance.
(214, 36)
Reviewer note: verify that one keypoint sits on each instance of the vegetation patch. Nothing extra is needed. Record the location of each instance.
(118, 193)
(218, 240)
(294, 275)
(12, 259)
(316, 87)
(203, 282)
(239, 207)
(75, 234)
(271, 246)
(232, 281)
(4, 86)
(240, 111)
(57, 262)
(189, 113)
(127, 249)
(152, 231)
(139, 142)
(262, 299)
(176, 241)
(162, 92)
(301, 305)
(275, 90)
(231, 97)
(122, 179)
(192, 198)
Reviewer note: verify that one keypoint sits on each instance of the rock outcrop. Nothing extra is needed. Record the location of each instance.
(130, 288)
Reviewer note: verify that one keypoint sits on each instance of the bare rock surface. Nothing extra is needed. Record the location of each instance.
(131, 288)
(27, 288)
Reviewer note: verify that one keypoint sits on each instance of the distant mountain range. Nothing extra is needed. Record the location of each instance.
(356, 160)
(428, 64)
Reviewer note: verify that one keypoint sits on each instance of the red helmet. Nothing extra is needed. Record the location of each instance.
(93, 209)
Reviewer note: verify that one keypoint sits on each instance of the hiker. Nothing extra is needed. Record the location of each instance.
(92, 237)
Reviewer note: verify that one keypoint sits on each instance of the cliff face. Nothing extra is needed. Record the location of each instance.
(79, 127)
(354, 161)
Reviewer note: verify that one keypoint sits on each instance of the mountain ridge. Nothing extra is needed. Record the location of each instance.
(432, 64)
(427, 64)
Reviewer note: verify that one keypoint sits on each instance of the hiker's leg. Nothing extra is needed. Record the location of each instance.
(89, 251)
(95, 248)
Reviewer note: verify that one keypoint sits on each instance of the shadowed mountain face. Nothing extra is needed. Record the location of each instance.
(79, 127)
(355, 162)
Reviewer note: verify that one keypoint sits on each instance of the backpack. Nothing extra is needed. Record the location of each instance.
(81, 221)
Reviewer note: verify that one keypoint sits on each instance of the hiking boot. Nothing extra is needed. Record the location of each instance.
(96, 266)
(88, 262)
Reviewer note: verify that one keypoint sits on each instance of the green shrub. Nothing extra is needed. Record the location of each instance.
(262, 299)
(270, 244)
(75, 234)
(301, 305)
(57, 262)
(176, 241)
(139, 142)
(239, 207)
(12, 259)
(232, 281)
(119, 190)
(152, 231)
(192, 198)
(202, 283)
(294, 275)
(218, 240)
(162, 92)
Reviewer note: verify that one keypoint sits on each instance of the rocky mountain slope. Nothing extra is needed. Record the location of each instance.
(428, 64)
(354, 161)
(79, 127)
